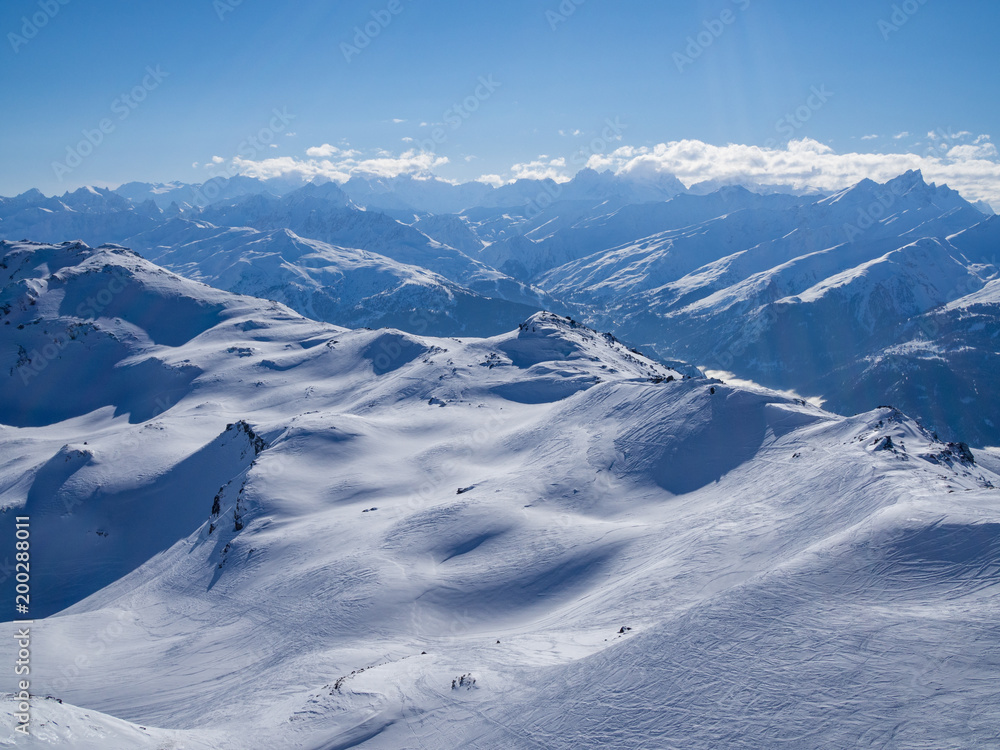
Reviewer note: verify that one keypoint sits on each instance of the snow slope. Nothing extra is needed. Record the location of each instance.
(344, 286)
(566, 231)
(827, 299)
(330, 538)
(325, 213)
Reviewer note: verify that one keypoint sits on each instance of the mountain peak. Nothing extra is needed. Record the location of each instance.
(910, 176)
(911, 180)
(909, 185)
(329, 191)
(34, 194)
(590, 175)
(581, 352)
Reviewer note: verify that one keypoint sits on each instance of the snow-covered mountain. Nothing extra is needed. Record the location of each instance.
(435, 196)
(188, 196)
(828, 296)
(262, 531)
(94, 215)
(527, 246)
(408, 194)
(346, 286)
(411, 195)
(451, 230)
(478, 300)
(326, 213)
(806, 297)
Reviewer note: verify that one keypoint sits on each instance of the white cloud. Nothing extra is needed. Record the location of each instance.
(217, 160)
(807, 163)
(942, 135)
(541, 168)
(808, 146)
(290, 135)
(327, 150)
(899, 136)
(492, 179)
(407, 139)
(971, 168)
(397, 121)
(565, 133)
(869, 137)
(985, 150)
(339, 164)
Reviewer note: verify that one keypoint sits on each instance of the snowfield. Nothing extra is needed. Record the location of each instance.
(254, 530)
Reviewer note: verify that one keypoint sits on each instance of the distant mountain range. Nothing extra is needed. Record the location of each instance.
(875, 294)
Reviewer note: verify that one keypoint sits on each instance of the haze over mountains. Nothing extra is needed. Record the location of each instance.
(879, 294)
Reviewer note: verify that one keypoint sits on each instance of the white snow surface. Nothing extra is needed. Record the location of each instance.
(619, 556)
(341, 285)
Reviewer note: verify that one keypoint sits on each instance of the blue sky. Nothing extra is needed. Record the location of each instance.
(685, 86)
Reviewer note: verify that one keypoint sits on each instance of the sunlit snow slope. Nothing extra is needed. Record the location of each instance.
(264, 532)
